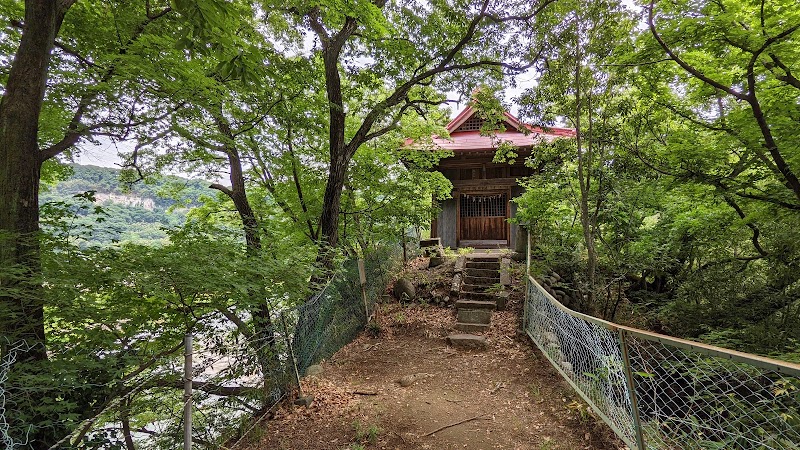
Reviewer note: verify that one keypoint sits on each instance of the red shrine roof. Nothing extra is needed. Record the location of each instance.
(465, 133)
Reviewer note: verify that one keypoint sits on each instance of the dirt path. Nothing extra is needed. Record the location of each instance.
(520, 400)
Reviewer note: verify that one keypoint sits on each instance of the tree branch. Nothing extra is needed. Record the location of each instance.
(208, 387)
(224, 189)
(692, 70)
(233, 317)
(752, 226)
(75, 129)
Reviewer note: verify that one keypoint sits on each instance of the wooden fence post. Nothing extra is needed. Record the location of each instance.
(362, 278)
(626, 362)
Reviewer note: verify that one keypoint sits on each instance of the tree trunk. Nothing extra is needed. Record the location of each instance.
(264, 336)
(339, 158)
(21, 295)
(329, 221)
(20, 107)
(583, 181)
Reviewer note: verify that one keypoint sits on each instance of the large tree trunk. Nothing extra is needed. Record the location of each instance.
(22, 335)
(20, 107)
(262, 320)
(329, 221)
(264, 331)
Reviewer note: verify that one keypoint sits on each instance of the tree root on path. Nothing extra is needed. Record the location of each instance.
(454, 424)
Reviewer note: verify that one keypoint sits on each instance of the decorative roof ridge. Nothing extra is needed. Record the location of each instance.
(469, 111)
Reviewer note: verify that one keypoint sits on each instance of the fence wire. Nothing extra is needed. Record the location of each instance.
(658, 392)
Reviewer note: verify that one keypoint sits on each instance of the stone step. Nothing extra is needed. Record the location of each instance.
(476, 316)
(481, 296)
(468, 341)
(475, 304)
(494, 265)
(481, 281)
(483, 258)
(471, 327)
(483, 273)
(476, 287)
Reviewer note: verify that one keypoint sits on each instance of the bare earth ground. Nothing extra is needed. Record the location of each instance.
(519, 400)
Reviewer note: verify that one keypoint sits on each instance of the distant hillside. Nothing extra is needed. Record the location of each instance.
(135, 212)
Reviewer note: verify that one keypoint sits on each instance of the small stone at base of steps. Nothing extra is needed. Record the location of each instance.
(468, 341)
(304, 401)
(407, 380)
(460, 263)
(502, 299)
(314, 370)
(456, 286)
(505, 272)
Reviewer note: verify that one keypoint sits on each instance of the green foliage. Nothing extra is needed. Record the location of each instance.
(366, 433)
(695, 226)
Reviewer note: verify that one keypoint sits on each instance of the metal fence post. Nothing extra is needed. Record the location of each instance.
(527, 279)
(629, 380)
(362, 278)
(291, 353)
(187, 391)
(528, 254)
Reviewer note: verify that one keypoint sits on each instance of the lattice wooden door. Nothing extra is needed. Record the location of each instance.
(483, 217)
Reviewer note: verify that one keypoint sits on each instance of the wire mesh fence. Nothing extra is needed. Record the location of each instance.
(236, 376)
(658, 392)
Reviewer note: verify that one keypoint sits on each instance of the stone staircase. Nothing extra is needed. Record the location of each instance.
(480, 285)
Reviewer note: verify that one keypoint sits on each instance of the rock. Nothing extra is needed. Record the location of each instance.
(555, 352)
(304, 401)
(556, 276)
(551, 337)
(436, 261)
(502, 299)
(456, 287)
(314, 370)
(468, 341)
(561, 296)
(518, 256)
(404, 287)
(460, 263)
(505, 272)
(432, 242)
(407, 380)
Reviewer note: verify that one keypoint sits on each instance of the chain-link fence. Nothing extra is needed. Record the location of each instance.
(659, 392)
(237, 376)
